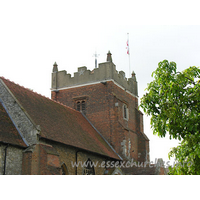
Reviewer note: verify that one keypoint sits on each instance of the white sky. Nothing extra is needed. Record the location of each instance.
(35, 34)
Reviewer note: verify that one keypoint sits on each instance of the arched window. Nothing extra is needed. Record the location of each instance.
(88, 168)
(81, 106)
(125, 111)
(64, 169)
(78, 104)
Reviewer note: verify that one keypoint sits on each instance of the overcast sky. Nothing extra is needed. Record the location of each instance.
(35, 35)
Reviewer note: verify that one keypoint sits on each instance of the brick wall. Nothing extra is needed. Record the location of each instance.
(27, 164)
(104, 108)
(41, 159)
(48, 157)
(69, 155)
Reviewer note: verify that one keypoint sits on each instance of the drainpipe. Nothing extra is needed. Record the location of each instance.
(5, 156)
(76, 162)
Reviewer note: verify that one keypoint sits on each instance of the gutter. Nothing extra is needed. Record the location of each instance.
(102, 136)
(76, 172)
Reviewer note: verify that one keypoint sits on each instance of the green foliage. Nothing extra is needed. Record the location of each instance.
(173, 102)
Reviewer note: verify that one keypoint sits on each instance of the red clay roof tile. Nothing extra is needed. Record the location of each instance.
(60, 123)
(8, 132)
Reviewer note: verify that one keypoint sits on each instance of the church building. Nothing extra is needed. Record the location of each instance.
(91, 125)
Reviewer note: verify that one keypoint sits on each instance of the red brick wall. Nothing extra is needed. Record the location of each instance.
(26, 163)
(97, 106)
(41, 160)
(104, 108)
(69, 155)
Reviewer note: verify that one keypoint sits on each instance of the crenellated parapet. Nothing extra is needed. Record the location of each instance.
(105, 72)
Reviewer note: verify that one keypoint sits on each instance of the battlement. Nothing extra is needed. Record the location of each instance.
(105, 72)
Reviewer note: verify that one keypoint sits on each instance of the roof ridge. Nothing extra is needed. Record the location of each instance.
(30, 90)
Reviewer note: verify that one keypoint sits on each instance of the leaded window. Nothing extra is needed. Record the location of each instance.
(81, 106)
(88, 168)
(125, 111)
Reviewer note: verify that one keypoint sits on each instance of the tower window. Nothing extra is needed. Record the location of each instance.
(78, 106)
(125, 111)
(81, 106)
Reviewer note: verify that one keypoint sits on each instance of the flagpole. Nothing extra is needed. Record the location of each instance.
(128, 52)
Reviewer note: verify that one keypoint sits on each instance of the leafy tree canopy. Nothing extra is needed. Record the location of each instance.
(173, 102)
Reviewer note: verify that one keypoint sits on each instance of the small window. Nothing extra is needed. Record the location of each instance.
(64, 169)
(81, 106)
(78, 106)
(88, 168)
(125, 111)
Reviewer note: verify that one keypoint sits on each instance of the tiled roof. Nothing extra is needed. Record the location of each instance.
(8, 132)
(60, 123)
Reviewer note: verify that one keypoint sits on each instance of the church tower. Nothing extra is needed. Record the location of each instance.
(109, 101)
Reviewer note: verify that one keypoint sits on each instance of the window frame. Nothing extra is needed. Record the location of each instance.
(125, 112)
(78, 106)
(64, 169)
(83, 106)
(89, 168)
(80, 103)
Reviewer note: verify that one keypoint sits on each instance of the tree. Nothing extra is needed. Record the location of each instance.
(173, 102)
